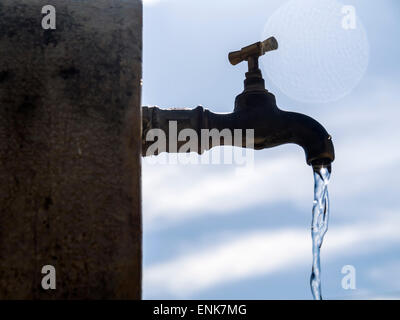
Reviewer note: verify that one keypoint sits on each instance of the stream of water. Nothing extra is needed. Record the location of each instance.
(319, 226)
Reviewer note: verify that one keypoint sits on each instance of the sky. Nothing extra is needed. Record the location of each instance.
(243, 232)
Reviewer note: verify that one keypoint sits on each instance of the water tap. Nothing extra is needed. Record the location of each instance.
(255, 108)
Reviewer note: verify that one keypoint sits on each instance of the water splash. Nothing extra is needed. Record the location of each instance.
(319, 226)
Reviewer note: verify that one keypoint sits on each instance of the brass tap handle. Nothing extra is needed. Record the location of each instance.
(255, 50)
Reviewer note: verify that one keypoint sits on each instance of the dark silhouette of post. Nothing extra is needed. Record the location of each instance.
(70, 144)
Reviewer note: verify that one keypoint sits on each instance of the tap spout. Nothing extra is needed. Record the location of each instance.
(280, 127)
(271, 127)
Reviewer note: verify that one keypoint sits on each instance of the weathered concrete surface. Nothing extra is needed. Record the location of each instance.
(70, 149)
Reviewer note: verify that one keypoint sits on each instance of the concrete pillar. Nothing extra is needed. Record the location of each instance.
(70, 139)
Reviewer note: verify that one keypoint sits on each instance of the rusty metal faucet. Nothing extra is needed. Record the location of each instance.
(255, 108)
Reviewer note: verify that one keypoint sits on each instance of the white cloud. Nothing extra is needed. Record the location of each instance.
(183, 192)
(261, 253)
